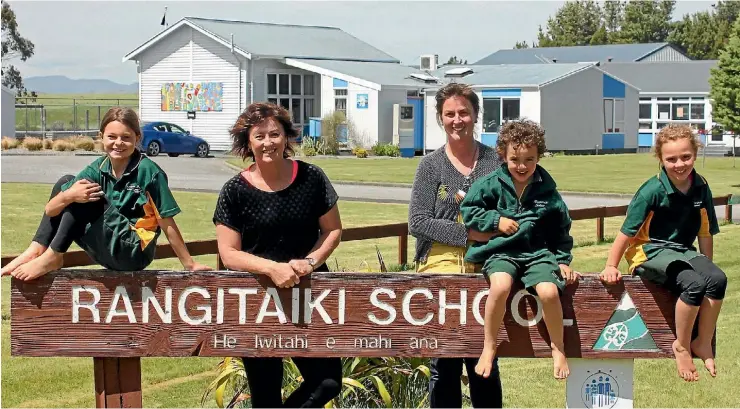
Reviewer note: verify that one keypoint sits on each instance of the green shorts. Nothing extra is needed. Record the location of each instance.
(531, 271)
(112, 243)
(656, 267)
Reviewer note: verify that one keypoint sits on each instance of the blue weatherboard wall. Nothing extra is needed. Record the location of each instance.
(418, 104)
(489, 139)
(613, 88)
(340, 83)
(503, 92)
(645, 139)
(612, 141)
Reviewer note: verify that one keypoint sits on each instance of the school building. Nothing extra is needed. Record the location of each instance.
(201, 73)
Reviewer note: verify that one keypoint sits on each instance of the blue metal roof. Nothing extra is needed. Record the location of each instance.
(292, 41)
(594, 53)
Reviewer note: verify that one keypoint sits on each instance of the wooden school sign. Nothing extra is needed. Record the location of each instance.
(98, 313)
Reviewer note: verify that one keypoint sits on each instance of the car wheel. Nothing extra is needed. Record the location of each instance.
(173, 155)
(153, 149)
(202, 150)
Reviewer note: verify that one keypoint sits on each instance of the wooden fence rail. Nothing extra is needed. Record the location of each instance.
(400, 230)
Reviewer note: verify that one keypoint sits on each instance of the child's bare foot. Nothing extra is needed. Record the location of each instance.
(49, 261)
(485, 362)
(34, 250)
(704, 351)
(685, 364)
(560, 364)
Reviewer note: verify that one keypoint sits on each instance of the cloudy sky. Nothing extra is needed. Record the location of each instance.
(87, 39)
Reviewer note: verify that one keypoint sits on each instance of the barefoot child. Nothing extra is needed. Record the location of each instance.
(665, 216)
(520, 201)
(114, 209)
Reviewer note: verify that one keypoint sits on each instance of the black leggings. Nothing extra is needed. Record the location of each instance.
(701, 279)
(60, 231)
(322, 381)
(445, 390)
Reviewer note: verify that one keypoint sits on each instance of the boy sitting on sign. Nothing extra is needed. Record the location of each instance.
(520, 201)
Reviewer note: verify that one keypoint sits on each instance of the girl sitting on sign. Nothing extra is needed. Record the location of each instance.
(278, 217)
(114, 209)
(668, 213)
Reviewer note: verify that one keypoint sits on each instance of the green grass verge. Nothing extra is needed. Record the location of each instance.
(583, 173)
(179, 382)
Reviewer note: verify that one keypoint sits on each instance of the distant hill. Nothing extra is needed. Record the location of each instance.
(59, 84)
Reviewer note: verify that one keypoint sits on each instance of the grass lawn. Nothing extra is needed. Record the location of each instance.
(581, 173)
(59, 108)
(179, 382)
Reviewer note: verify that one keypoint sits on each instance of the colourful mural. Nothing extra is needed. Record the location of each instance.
(192, 96)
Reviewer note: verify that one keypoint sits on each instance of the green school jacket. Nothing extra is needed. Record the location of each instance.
(544, 222)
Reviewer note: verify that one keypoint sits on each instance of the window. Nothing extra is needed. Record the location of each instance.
(646, 111)
(340, 100)
(680, 112)
(499, 110)
(664, 111)
(491, 114)
(613, 115)
(294, 92)
(177, 129)
(646, 125)
(295, 84)
(284, 85)
(510, 109)
(697, 110)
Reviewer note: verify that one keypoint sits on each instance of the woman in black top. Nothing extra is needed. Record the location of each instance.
(278, 217)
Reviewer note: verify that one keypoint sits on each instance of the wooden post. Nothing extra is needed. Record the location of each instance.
(117, 382)
(599, 229)
(219, 263)
(403, 244)
(728, 210)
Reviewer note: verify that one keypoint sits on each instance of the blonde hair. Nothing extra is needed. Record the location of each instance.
(672, 133)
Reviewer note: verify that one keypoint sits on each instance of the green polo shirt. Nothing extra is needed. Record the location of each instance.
(141, 195)
(662, 217)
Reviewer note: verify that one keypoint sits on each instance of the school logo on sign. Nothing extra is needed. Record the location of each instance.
(600, 390)
(625, 330)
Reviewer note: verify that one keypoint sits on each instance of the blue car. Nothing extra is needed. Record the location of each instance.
(165, 137)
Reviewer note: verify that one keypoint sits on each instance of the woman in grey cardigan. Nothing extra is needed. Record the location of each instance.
(441, 181)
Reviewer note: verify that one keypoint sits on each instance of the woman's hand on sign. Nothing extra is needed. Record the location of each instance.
(301, 267)
(569, 274)
(84, 191)
(478, 236)
(610, 275)
(507, 226)
(284, 276)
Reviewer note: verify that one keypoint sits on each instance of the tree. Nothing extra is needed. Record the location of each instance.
(521, 44)
(600, 37)
(454, 61)
(575, 23)
(724, 83)
(613, 16)
(704, 34)
(13, 46)
(647, 21)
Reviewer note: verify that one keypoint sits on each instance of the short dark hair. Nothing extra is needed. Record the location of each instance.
(254, 115)
(454, 89)
(520, 132)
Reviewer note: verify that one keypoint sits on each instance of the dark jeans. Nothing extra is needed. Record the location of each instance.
(445, 389)
(692, 283)
(322, 381)
(60, 231)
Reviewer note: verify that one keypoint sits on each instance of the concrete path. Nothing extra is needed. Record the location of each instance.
(209, 174)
